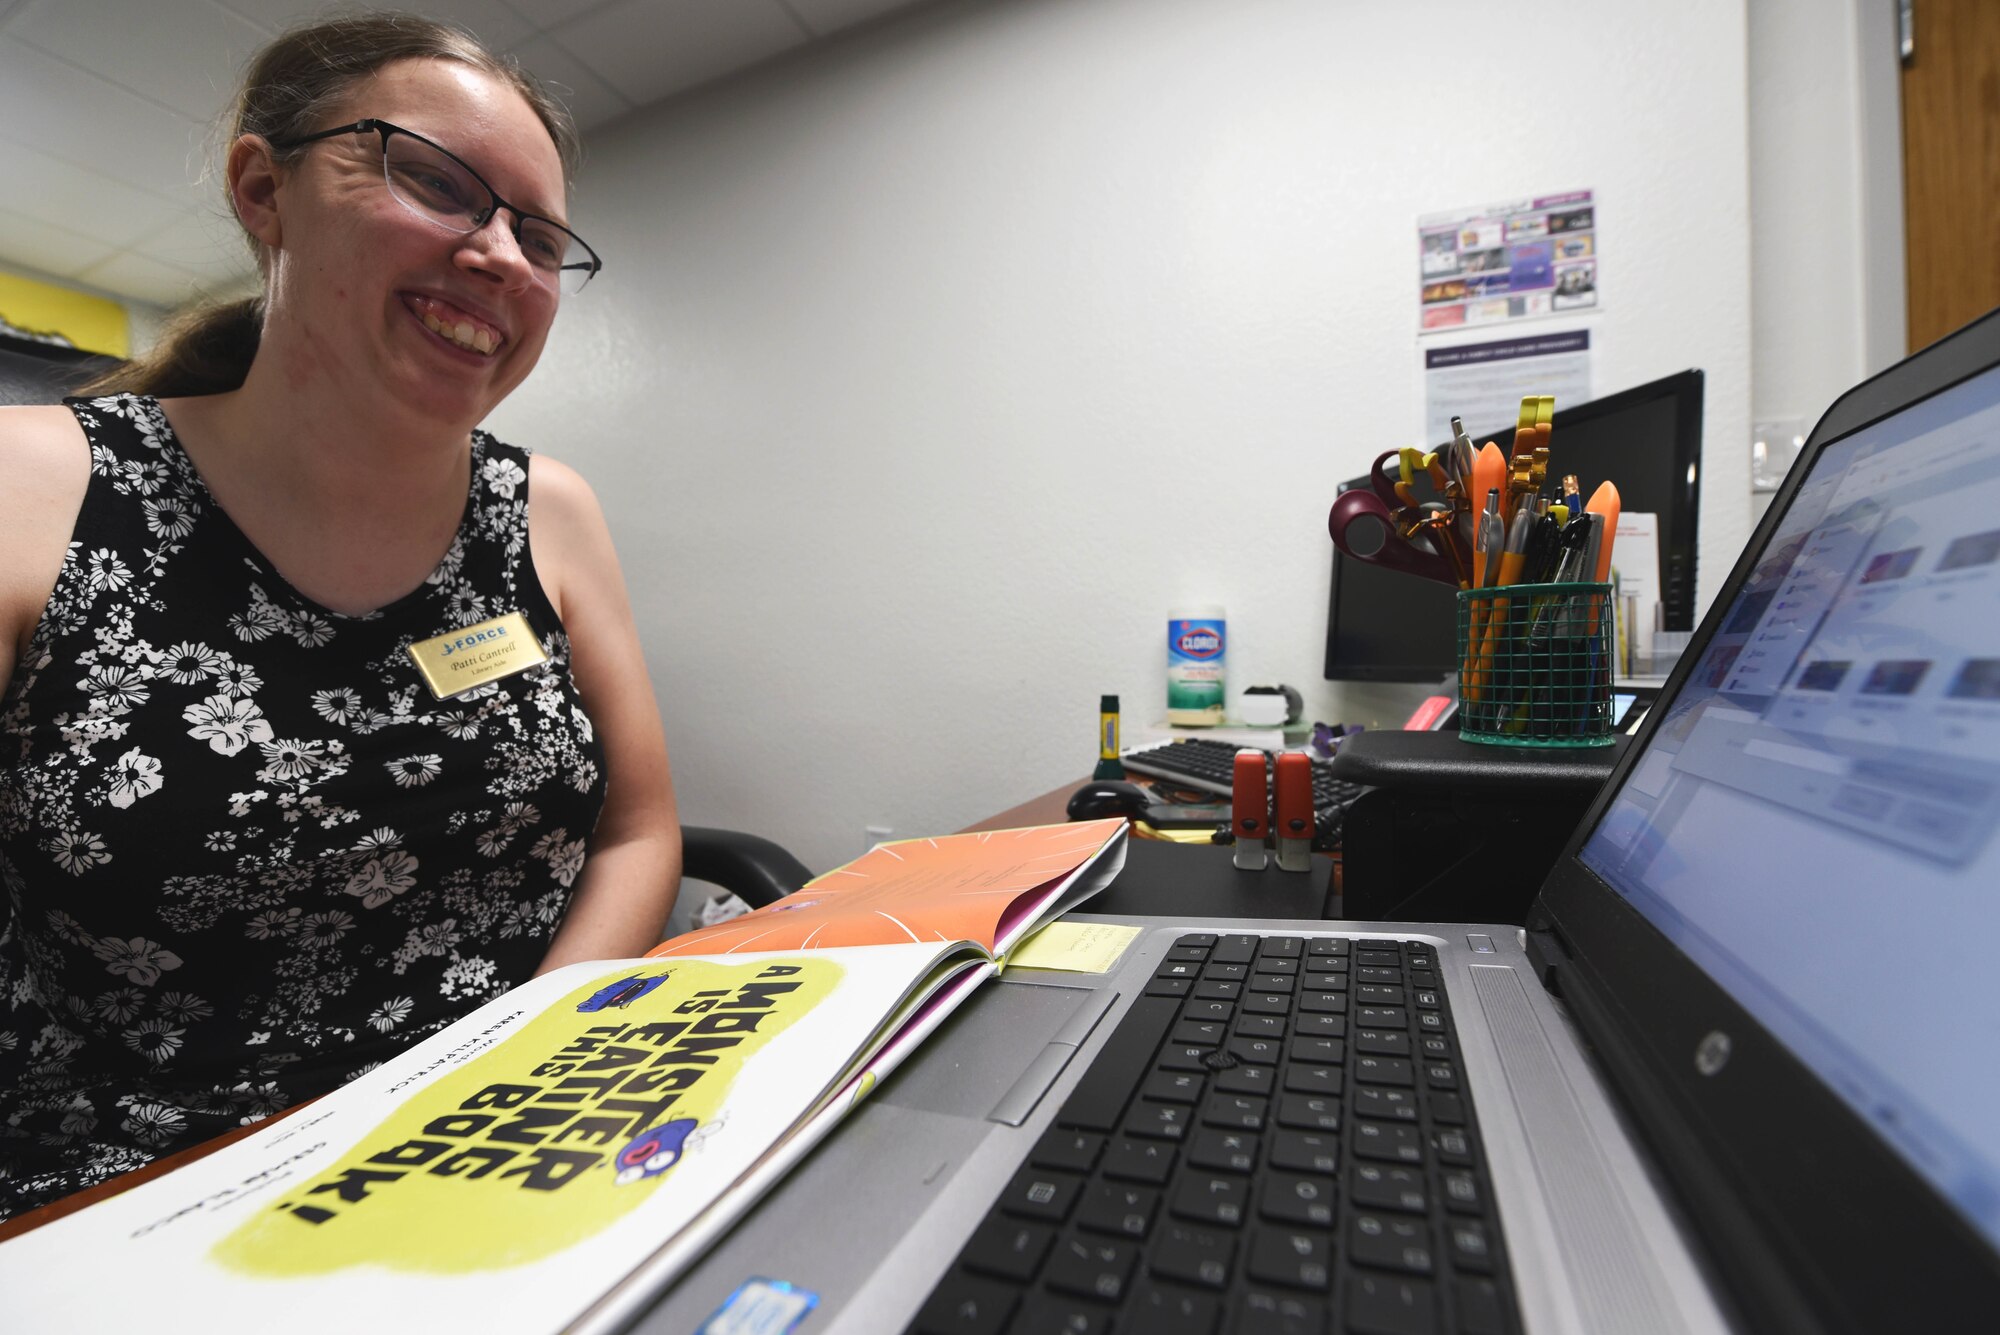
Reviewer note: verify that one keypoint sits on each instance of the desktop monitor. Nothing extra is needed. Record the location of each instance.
(1382, 625)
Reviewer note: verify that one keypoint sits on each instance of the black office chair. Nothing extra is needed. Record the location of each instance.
(753, 869)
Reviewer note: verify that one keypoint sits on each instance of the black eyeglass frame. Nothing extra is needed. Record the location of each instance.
(481, 217)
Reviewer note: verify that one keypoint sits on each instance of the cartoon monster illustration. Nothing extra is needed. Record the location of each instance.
(623, 992)
(654, 1150)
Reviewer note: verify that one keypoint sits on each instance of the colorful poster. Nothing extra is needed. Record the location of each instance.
(44, 313)
(1514, 261)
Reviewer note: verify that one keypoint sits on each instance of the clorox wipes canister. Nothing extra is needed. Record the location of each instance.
(1195, 641)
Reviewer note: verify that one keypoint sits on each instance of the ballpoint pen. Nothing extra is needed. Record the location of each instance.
(1488, 553)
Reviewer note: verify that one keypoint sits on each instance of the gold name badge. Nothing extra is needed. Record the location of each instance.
(470, 656)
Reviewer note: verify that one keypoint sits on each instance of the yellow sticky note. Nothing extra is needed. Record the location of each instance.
(1073, 947)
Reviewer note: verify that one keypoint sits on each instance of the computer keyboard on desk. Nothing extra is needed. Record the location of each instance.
(1207, 765)
(1276, 1139)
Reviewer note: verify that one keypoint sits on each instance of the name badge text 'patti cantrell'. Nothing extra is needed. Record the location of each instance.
(458, 660)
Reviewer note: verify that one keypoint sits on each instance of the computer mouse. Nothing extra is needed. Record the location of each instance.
(1108, 797)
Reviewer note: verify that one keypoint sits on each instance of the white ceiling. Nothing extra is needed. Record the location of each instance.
(107, 109)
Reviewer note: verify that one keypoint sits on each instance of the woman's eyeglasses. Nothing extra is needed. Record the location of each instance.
(431, 182)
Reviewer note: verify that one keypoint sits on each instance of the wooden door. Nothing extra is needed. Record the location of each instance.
(1951, 165)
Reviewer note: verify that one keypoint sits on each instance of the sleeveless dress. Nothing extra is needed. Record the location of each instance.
(245, 854)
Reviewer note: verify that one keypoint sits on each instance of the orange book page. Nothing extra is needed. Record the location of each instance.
(957, 887)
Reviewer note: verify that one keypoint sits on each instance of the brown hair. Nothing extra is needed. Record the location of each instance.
(286, 91)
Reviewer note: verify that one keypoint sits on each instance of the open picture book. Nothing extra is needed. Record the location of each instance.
(588, 1133)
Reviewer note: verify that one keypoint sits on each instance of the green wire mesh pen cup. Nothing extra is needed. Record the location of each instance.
(1534, 665)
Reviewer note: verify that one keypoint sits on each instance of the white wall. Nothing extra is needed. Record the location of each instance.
(929, 372)
(1826, 228)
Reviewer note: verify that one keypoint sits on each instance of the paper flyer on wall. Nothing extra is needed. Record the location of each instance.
(1516, 260)
(1484, 383)
(489, 1179)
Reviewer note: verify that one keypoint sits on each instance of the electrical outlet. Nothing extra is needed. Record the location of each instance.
(1773, 447)
(872, 835)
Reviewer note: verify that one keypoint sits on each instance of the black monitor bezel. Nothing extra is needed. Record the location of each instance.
(1680, 523)
(1812, 1221)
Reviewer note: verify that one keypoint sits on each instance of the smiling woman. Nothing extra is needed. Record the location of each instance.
(253, 837)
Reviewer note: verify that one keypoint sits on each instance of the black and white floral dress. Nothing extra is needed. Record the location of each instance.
(245, 854)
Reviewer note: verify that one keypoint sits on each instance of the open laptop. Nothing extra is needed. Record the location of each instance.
(1740, 1070)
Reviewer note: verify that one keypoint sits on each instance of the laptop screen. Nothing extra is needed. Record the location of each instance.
(1814, 821)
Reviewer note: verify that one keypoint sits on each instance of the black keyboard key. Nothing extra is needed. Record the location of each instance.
(1114, 1208)
(1374, 957)
(1377, 994)
(1133, 1160)
(1318, 1051)
(1266, 1003)
(1447, 1109)
(1183, 1057)
(1010, 1249)
(1098, 1101)
(1320, 1026)
(1273, 982)
(1388, 1142)
(1306, 1078)
(1385, 1105)
(1224, 1151)
(1235, 950)
(967, 1305)
(1461, 1192)
(1173, 1087)
(1195, 940)
(1329, 945)
(1227, 973)
(1097, 1268)
(1308, 1112)
(1283, 947)
(1323, 1003)
(1384, 1017)
(1038, 1193)
(1391, 1305)
(1260, 1026)
(1169, 987)
(1159, 1121)
(1390, 1242)
(1192, 1255)
(1217, 989)
(1382, 1070)
(1200, 1033)
(1235, 1112)
(1203, 1010)
(1246, 1079)
(1260, 1051)
(1173, 968)
(1305, 1151)
(1211, 1198)
(1161, 1309)
(1441, 1075)
(1382, 1187)
(1280, 1314)
(1470, 1250)
(1297, 1198)
(1053, 1314)
(1382, 1042)
(1382, 977)
(1073, 1151)
(1453, 1146)
(1297, 1258)
(1479, 1308)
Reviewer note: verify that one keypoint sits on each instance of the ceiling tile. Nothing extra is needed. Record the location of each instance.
(64, 195)
(133, 275)
(75, 115)
(830, 16)
(648, 49)
(184, 55)
(57, 251)
(493, 22)
(590, 100)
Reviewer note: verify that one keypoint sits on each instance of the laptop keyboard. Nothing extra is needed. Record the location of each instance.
(1276, 1139)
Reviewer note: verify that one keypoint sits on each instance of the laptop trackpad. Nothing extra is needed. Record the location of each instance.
(977, 1056)
(826, 1226)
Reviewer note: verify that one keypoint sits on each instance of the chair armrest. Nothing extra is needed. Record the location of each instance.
(754, 869)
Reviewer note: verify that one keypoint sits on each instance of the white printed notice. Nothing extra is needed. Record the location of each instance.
(1512, 261)
(1483, 383)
